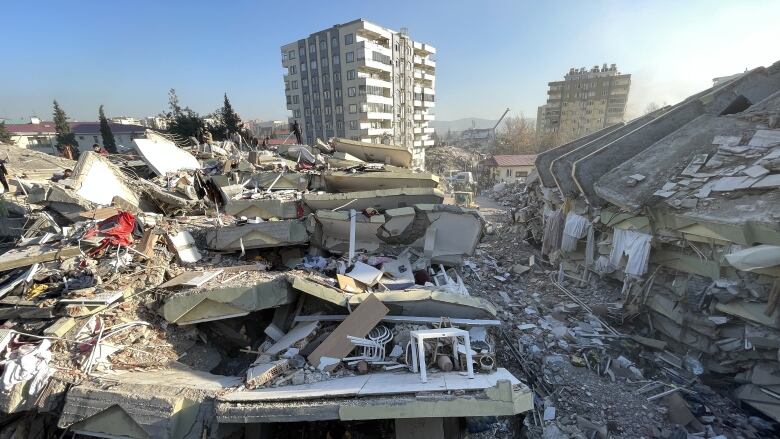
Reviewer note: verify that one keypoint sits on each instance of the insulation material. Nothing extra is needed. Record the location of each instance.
(635, 245)
(576, 228)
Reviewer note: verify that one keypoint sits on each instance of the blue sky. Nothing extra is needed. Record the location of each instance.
(492, 54)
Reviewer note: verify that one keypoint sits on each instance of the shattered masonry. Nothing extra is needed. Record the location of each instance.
(198, 291)
(683, 206)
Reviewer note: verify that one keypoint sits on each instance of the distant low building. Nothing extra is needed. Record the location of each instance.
(42, 136)
(508, 168)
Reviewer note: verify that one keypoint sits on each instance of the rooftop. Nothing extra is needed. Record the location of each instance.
(512, 160)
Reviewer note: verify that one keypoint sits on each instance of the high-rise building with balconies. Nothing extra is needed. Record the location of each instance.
(584, 102)
(363, 82)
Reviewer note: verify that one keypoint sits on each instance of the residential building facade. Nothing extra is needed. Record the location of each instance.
(363, 82)
(508, 168)
(584, 102)
(42, 136)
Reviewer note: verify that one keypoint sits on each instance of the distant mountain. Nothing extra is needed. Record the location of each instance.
(442, 126)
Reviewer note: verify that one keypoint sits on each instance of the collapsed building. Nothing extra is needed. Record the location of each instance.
(681, 205)
(206, 291)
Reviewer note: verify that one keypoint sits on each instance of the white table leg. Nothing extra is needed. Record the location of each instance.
(414, 355)
(421, 351)
(469, 360)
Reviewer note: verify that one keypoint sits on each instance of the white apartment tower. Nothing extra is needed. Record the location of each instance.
(363, 82)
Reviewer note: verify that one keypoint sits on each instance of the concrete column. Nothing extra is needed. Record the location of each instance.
(427, 428)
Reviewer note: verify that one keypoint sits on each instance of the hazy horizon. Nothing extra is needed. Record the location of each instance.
(491, 55)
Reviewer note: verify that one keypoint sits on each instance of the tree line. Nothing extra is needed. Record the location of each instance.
(222, 124)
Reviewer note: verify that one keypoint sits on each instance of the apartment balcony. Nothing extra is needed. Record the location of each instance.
(378, 99)
(374, 32)
(429, 104)
(376, 116)
(424, 49)
(418, 103)
(375, 82)
(423, 116)
(376, 131)
(367, 47)
(369, 65)
(429, 142)
(423, 130)
(424, 76)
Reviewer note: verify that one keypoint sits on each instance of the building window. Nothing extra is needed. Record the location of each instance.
(313, 64)
(297, 113)
(323, 45)
(326, 94)
(337, 93)
(325, 80)
(353, 124)
(295, 99)
(521, 174)
(327, 111)
(305, 98)
(352, 108)
(304, 82)
(336, 60)
(339, 109)
(350, 56)
(291, 70)
(289, 99)
(302, 52)
(349, 39)
(351, 91)
(312, 48)
(339, 124)
(295, 85)
(291, 54)
(350, 74)
(316, 111)
(337, 76)
(508, 173)
(324, 61)
(334, 42)
(396, 47)
(303, 68)
(307, 111)
(314, 80)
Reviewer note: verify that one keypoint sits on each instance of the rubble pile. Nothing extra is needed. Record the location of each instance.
(681, 206)
(440, 159)
(201, 291)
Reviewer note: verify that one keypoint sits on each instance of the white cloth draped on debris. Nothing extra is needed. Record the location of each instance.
(29, 362)
(553, 229)
(575, 229)
(635, 245)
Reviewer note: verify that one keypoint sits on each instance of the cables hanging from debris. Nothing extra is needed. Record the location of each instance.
(582, 304)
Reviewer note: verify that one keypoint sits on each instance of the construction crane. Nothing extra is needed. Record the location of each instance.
(499, 121)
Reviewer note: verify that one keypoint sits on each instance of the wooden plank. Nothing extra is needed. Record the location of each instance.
(147, 243)
(25, 256)
(358, 324)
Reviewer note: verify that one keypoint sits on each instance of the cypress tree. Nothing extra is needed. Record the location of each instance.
(64, 135)
(105, 132)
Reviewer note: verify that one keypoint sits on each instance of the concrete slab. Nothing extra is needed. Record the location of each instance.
(338, 181)
(262, 208)
(96, 179)
(377, 199)
(267, 234)
(375, 152)
(163, 156)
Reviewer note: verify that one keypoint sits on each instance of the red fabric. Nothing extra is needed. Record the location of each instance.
(116, 230)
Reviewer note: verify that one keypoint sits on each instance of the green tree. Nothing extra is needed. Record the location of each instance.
(5, 136)
(64, 135)
(230, 119)
(105, 132)
(182, 122)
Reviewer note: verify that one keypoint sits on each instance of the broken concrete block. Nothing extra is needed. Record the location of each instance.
(376, 199)
(300, 332)
(184, 245)
(262, 235)
(163, 156)
(262, 208)
(98, 180)
(337, 181)
(60, 327)
(259, 374)
(375, 152)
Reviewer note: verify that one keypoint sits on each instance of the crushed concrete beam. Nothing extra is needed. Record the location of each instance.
(266, 234)
(377, 199)
(338, 181)
(262, 208)
(279, 181)
(422, 302)
(226, 301)
(375, 152)
(26, 256)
